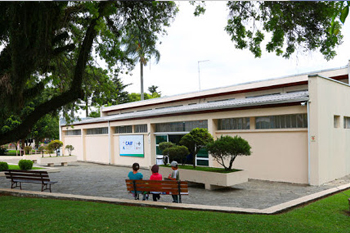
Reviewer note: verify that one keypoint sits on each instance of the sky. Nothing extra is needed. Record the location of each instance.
(191, 39)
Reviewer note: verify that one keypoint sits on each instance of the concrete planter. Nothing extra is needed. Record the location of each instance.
(63, 160)
(211, 180)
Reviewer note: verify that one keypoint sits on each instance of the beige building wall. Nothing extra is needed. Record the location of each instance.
(276, 155)
(96, 148)
(76, 142)
(329, 150)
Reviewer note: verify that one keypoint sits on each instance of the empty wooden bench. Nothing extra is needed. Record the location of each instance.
(165, 187)
(35, 177)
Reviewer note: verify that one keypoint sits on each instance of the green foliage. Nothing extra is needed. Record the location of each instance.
(3, 166)
(228, 148)
(177, 153)
(70, 148)
(27, 149)
(291, 24)
(2, 150)
(195, 140)
(25, 164)
(41, 149)
(46, 61)
(55, 145)
(164, 146)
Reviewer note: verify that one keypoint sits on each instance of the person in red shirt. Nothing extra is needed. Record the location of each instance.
(155, 176)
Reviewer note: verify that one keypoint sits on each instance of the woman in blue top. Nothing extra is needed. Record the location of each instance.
(135, 175)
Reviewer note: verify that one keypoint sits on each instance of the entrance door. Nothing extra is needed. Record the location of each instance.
(202, 156)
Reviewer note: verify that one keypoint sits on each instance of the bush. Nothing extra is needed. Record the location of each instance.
(70, 148)
(227, 148)
(54, 146)
(3, 166)
(177, 153)
(25, 164)
(2, 151)
(41, 150)
(27, 149)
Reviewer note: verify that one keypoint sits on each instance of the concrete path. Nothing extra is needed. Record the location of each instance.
(106, 181)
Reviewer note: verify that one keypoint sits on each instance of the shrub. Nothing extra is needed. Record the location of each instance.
(41, 150)
(25, 164)
(3, 166)
(177, 153)
(2, 151)
(227, 147)
(195, 140)
(55, 145)
(27, 149)
(70, 148)
(163, 146)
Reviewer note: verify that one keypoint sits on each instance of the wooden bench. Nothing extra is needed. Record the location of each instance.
(165, 187)
(35, 177)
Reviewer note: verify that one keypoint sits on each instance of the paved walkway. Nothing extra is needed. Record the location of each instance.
(91, 179)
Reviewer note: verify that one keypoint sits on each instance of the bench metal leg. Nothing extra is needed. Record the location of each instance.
(15, 185)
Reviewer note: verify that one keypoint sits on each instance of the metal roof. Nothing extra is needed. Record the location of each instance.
(212, 106)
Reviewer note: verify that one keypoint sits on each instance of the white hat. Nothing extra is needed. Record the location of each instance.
(173, 164)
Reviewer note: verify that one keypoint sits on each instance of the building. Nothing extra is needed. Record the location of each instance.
(298, 127)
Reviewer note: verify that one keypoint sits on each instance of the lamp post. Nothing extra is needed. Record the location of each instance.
(199, 75)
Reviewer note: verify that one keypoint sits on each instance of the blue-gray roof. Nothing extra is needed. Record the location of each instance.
(212, 106)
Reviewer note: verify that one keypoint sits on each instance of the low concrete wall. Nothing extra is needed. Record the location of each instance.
(211, 180)
(63, 160)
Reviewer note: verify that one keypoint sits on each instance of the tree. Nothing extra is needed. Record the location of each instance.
(141, 46)
(55, 145)
(195, 140)
(37, 35)
(70, 148)
(306, 24)
(177, 153)
(154, 92)
(163, 146)
(227, 147)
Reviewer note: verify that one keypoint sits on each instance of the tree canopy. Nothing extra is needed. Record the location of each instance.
(195, 140)
(50, 49)
(306, 24)
(44, 40)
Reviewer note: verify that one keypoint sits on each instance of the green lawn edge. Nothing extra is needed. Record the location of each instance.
(330, 214)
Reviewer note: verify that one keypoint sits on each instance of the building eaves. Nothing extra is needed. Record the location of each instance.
(213, 106)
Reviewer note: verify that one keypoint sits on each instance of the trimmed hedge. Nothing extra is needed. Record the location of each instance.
(25, 164)
(3, 166)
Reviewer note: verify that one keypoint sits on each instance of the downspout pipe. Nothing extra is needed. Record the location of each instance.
(308, 144)
(109, 144)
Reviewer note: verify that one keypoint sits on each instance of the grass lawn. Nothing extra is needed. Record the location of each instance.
(16, 167)
(19, 214)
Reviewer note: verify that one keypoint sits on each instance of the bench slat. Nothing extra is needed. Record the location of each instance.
(35, 177)
(169, 187)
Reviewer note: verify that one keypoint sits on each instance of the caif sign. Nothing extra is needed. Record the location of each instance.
(131, 145)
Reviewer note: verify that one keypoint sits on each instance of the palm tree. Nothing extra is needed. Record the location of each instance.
(141, 46)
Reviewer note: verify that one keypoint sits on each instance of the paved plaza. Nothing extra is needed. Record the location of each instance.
(82, 178)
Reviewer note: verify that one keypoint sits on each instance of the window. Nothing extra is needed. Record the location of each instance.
(123, 129)
(281, 122)
(73, 132)
(336, 121)
(234, 123)
(346, 122)
(97, 131)
(184, 126)
(141, 128)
